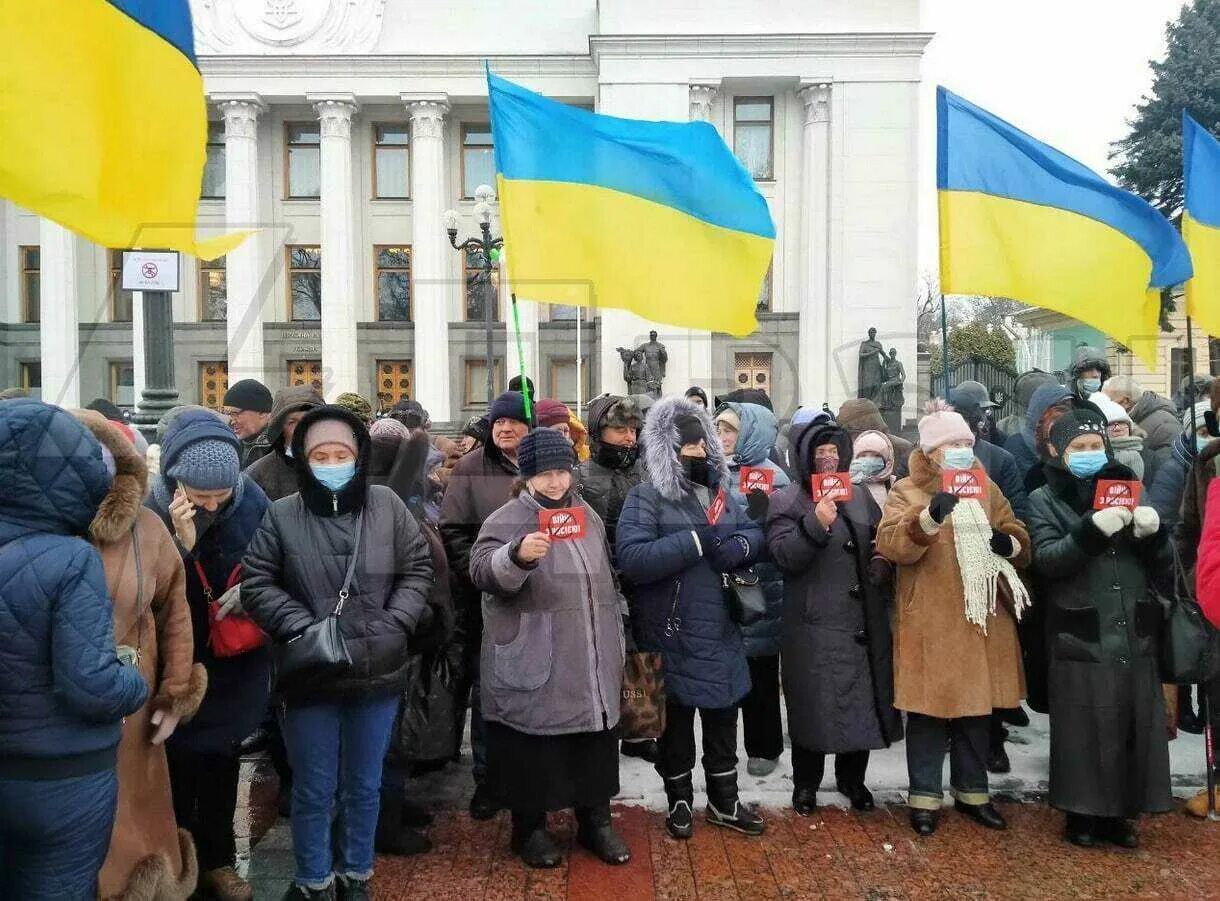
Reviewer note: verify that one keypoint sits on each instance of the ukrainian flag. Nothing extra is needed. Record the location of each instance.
(1020, 219)
(658, 218)
(1201, 222)
(103, 126)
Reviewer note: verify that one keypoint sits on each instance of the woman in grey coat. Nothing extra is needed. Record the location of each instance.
(552, 659)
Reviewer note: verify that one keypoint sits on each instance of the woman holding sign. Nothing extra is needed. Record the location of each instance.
(552, 656)
(1096, 552)
(956, 658)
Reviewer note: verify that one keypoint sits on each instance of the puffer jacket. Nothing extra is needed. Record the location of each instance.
(1162, 425)
(755, 441)
(679, 599)
(274, 471)
(297, 562)
(1003, 471)
(63, 691)
(552, 653)
(1168, 486)
(601, 487)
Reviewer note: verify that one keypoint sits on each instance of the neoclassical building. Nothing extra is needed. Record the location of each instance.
(343, 130)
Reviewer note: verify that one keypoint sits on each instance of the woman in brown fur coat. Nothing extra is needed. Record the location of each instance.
(149, 857)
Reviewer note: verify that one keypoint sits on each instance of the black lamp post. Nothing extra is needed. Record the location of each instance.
(487, 254)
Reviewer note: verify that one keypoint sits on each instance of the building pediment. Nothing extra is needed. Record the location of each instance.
(287, 26)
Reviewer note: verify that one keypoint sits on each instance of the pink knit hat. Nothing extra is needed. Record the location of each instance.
(942, 425)
(331, 431)
(879, 444)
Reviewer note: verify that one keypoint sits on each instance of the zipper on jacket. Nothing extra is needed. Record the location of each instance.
(673, 622)
(335, 499)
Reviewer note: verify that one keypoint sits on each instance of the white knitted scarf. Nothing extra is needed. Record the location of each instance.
(981, 568)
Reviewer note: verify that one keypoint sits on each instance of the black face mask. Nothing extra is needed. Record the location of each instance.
(616, 456)
(544, 501)
(697, 470)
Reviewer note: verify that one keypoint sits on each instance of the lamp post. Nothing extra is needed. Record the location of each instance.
(487, 250)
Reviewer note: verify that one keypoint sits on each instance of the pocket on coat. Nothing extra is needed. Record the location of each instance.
(524, 664)
(1078, 634)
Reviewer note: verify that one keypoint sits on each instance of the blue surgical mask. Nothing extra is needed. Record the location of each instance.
(1086, 464)
(959, 458)
(334, 476)
(1089, 386)
(866, 467)
(1201, 441)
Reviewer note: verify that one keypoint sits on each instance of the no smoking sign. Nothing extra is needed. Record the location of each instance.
(150, 270)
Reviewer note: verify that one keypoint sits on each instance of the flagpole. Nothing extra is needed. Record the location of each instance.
(944, 344)
(525, 385)
(580, 327)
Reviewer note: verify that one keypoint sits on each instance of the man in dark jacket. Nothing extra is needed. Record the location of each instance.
(1022, 394)
(275, 472)
(1089, 371)
(480, 485)
(862, 415)
(1048, 401)
(63, 693)
(249, 408)
(1156, 415)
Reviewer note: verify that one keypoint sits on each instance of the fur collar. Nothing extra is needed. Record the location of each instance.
(121, 506)
(661, 435)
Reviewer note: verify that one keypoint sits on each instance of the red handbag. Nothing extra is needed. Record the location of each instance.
(236, 633)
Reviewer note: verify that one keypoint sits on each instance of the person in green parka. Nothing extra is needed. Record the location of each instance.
(1109, 746)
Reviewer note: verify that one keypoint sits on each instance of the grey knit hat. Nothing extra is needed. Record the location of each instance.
(207, 465)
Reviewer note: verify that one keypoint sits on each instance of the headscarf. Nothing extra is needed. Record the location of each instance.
(878, 443)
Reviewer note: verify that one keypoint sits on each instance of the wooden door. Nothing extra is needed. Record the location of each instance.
(213, 383)
(394, 382)
(305, 372)
(752, 370)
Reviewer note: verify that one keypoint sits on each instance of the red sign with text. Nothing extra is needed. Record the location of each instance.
(565, 524)
(835, 486)
(715, 509)
(968, 484)
(755, 478)
(1117, 493)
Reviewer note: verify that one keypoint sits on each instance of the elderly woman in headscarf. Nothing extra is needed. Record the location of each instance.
(872, 465)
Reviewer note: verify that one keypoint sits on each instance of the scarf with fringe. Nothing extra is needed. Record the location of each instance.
(981, 568)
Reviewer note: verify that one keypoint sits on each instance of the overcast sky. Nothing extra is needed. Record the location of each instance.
(1068, 72)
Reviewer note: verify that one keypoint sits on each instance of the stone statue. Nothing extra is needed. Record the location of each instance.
(635, 371)
(655, 357)
(871, 369)
(891, 397)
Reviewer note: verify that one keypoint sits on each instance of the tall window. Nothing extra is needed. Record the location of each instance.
(303, 149)
(393, 267)
(31, 282)
(754, 135)
(475, 390)
(120, 300)
(391, 161)
(122, 384)
(305, 283)
(478, 161)
(213, 291)
(31, 379)
(214, 168)
(478, 291)
(562, 385)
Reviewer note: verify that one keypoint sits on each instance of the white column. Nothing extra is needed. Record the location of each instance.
(431, 255)
(245, 265)
(338, 216)
(60, 327)
(813, 343)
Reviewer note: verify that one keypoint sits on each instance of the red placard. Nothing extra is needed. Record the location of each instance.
(964, 483)
(565, 524)
(715, 509)
(756, 478)
(836, 486)
(1117, 493)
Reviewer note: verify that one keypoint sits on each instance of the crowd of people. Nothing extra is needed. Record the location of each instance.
(344, 590)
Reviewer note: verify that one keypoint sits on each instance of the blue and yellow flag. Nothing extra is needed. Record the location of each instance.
(103, 126)
(1019, 219)
(658, 218)
(1201, 222)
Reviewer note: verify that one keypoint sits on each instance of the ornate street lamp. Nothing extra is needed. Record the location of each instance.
(486, 253)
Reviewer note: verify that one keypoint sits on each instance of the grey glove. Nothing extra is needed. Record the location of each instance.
(230, 602)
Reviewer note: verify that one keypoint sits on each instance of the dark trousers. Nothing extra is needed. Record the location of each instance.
(808, 768)
(469, 694)
(760, 714)
(676, 748)
(966, 738)
(997, 732)
(204, 787)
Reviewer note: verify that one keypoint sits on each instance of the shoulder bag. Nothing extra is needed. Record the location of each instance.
(1190, 645)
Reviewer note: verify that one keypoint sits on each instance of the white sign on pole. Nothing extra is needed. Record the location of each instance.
(150, 270)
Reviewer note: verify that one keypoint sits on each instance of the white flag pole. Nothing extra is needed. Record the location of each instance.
(580, 327)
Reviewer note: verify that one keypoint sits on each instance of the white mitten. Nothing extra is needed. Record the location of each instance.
(1111, 520)
(1147, 522)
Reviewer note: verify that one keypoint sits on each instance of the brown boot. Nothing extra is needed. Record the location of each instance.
(224, 884)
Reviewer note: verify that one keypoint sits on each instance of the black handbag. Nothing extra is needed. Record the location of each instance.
(319, 650)
(1190, 645)
(744, 594)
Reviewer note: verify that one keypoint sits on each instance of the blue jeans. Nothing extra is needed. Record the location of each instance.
(54, 835)
(336, 751)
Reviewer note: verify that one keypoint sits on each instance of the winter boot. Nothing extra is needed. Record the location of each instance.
(482, 805)
(644, 750)
(680, 792)
(533, 844)
(595, 833)
(724, 807)
(1118, 831)
(1079, 830)
(348, 889)
(392, 837)
(300, 893)
(224, 884)
(415, 815)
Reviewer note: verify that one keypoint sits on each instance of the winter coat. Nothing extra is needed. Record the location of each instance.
(1003, 471)
(862, 415)
(1168, 486)
(1109, 750)
(149, 855)
(945, 666)
(552, 654)
(677, 577)
(838, 667)
(274, 472)
(1188, 531)
(254, 449)
(238, 687)
(601, 487)
(755, 441)
(1162, 425)
(63, 691)
(298, 560)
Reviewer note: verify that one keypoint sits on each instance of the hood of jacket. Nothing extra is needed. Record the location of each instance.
(759, 429)
(1042, 400)
(399, 463)
(1150, 402)
(119, 509)
(54, 478)
(861, 415)
(319, 499)
(661, 434)
(595, 415)
(808, 442)
(289, 400)
(1090, 358)
(1027, 383)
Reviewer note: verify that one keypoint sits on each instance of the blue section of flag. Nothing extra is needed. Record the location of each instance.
(169, 19)
(1201, 170)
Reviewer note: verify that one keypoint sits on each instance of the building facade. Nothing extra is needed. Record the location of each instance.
(343, 130)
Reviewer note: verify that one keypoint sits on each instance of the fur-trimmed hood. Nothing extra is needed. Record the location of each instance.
(660, 436)
(123, 501)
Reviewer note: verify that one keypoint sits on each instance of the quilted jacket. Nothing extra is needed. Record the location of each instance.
(63, 691)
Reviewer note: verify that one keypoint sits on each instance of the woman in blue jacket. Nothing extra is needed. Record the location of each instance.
(64, 692)
(674, 547)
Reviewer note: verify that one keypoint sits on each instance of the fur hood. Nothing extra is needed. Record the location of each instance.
(123, 501)
(661, 435)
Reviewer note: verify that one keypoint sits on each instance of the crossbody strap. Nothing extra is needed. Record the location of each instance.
(344, 592)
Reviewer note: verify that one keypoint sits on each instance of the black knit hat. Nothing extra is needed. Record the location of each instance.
(544, 449)
(690, 429)
(509, 405)
(249, 394)
(1080, 420)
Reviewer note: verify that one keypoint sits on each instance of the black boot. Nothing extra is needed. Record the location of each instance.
(482, 805)
(644, 750)
(300, 893)
(1015, 716)
(983, 814)
(595, 833)
(1079, 830)
(680, 793)
(997, 761)
(392, 837)
(861, 798)
(1118, 831)
(415, 815)
(804, 800)
(533, 844)
(353, 889)
(724, 807)
(923, 821)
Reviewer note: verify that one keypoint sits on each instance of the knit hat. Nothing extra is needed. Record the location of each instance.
(390, 428)
(941, 426)
(551, 412)
(209, 464)
(544, 449)
(696, 391)
(478, 428)
(411, 413)
(1113, 411)
(349, 400)
(730, 418)
(509, 405)
(248, 394)
(1202, 408)
(690, 429)
(331, 431)
(107, 408)
(1079, 420)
